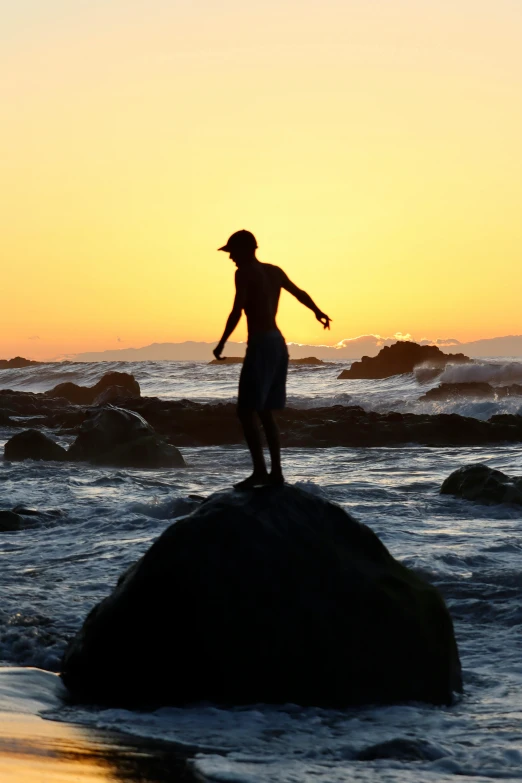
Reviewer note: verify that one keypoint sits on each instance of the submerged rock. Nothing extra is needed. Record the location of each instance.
(33, 444)
(402, 357)
(483, 485)
(113, 393)
(10, 521)
(473, 389)
(272, 595)
(115, 436)
(85, 395)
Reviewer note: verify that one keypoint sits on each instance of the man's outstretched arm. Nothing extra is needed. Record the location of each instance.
(305, 299)
(234, 317)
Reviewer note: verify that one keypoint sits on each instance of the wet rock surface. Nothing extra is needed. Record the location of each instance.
(483, 485)
(114, 436)
(10, 521)
(33, 444)
(402, 357)
(270, 595)
(21, 518)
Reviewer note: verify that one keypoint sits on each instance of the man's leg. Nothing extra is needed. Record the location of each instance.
(247, 418)
(274, 444)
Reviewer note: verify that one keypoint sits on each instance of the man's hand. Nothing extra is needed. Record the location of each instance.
(218, 350)
(323, 319)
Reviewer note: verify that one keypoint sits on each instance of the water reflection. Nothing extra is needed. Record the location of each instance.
(33, 750)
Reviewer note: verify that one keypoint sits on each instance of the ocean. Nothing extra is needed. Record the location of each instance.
(53, 573)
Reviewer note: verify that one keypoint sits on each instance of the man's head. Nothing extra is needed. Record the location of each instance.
(241, 246)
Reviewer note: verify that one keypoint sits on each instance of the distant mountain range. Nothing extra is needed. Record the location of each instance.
(354, 348)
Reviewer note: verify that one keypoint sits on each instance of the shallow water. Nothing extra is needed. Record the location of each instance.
(55, 572)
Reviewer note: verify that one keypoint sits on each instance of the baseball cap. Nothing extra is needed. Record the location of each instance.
(244, 240)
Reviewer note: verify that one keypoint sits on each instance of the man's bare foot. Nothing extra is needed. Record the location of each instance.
(276, 479)
(255, 480)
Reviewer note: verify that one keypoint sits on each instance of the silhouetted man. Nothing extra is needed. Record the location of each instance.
(262, 384)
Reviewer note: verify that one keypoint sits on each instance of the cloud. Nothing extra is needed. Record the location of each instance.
(373, 340)
(441, 341)
(34, 337)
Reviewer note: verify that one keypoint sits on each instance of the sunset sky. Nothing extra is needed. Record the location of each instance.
(373, 147)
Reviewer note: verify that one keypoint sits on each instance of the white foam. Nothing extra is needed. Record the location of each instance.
(483, 372)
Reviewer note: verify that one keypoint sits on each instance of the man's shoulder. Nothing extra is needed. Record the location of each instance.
(273, 269)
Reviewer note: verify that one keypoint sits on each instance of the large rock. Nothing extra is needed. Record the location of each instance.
(86, 395)
(115, 436)
(33, 444)
(483, 485)
(402, 357)
(270, 595)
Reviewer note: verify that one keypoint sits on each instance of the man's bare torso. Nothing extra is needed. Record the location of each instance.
(259, 288)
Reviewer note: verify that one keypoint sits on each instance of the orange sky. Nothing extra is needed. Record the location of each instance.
(373, 147)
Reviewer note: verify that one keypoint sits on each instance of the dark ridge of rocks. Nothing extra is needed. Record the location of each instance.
(308, 360)
(17, 363)
(483, 485)
(307, 604)
(186, 423)
(33, 444)
(401, 357)
(86, 395)
(483, 391)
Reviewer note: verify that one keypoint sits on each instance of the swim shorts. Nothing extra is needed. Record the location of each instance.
(262, 384)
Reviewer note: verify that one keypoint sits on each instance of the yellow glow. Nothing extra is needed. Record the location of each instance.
(372, 147)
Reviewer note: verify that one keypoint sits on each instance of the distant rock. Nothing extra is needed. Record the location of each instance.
(15, 364)
(309, 360)
(115, 436)
(86, 395)
(483, 485)
(33, 444)
(402, 357)
(270, 595)
(483, 391)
